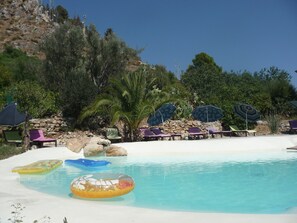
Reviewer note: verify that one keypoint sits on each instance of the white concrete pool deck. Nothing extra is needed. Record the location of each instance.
(38, 205)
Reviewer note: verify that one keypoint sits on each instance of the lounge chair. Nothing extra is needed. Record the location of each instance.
(37, 137)
(113, 135)
(213, 131)
(238, 132)
(12, 136)
(293, 126)
(196, 133)
(147, 134)
(162, 135)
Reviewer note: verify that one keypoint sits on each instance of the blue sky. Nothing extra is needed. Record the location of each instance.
(239, 34)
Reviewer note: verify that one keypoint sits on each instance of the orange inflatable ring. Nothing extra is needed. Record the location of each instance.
(102, 185)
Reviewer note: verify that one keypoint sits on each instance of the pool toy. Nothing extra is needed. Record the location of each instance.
(102, 185)
(42, 166)
(86, 163)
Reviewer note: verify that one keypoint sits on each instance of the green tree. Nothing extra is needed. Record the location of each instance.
(277, 84)
(61, 14)
(108, 56)
(203, 77)
(65, 69)
(33, 98)
(130, 100)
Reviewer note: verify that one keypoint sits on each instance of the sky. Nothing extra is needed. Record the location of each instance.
(241, 35)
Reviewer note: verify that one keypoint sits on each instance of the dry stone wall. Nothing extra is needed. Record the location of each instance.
(49, 125)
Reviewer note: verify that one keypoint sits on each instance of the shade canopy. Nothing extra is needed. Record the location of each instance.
(10, 116)
(247, 113)
(165, 112)
(207, 113)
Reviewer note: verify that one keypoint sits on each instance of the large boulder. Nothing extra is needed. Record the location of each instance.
(116, 151)
(93, 149)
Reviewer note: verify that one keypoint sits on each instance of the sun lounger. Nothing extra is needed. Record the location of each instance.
(238, 132)
(196, 133)
(37, 137)
(113, 135)
(147, 134)
(293, 126)
(12, 136)
(163, 135)
(213, 131)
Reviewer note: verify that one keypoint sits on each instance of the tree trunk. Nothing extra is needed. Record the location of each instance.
(26, 139)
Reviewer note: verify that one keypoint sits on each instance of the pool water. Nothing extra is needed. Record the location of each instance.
(245, 183)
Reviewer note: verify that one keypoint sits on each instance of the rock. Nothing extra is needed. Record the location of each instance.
(104, 142)
(93, 150)
(75, 144)
(116, 151)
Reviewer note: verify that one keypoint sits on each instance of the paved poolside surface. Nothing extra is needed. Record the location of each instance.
(38, 205)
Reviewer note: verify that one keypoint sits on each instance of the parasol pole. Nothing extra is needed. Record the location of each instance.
(207, 121)
(207, 114)
(246, 122)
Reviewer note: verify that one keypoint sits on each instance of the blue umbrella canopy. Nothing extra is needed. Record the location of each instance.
(207, 113)
(10, 116)
(247, 113)
(162, 114)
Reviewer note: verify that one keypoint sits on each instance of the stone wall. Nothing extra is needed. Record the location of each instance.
(49, 125)
(181, 126)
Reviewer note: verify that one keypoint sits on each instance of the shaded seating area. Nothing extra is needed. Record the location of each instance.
(37, 137)
(214, 131)
(12, 136)
(196, 133)
(240, 132)
(293, 126)
(113, 135)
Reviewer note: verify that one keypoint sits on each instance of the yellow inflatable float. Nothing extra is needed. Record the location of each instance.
(102, 185)
(42, 166)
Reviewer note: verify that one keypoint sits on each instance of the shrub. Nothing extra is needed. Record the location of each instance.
(33, 98)
(273, 123)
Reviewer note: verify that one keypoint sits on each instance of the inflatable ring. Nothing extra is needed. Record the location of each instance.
(42, 166)
(102, 185)
(87, 163)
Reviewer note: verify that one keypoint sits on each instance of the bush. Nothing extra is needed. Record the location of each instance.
(273, 123)
(34, 99)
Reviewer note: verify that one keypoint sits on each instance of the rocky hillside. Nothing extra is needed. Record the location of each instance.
(23, 24)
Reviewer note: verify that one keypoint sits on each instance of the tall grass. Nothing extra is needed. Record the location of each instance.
(9, 150)
(273, 121)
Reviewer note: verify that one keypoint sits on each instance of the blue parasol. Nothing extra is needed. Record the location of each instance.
(10, 116)
(162, 114)
(207, 113)
(247, 113)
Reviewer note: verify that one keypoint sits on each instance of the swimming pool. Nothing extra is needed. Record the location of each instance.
(233, 183)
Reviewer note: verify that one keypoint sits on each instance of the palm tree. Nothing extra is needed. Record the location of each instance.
(130, 100)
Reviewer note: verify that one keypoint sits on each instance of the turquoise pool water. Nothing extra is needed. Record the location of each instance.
(245, 183)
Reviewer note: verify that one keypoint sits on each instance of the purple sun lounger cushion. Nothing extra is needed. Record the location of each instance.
(37, 136)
